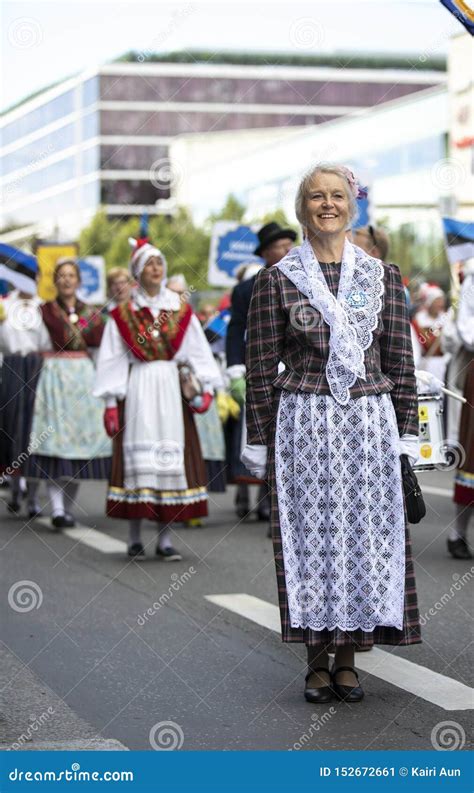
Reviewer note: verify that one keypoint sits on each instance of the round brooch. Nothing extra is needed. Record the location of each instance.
(357, 299)
(155, 333)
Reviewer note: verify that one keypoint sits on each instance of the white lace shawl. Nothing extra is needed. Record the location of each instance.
(352, 316)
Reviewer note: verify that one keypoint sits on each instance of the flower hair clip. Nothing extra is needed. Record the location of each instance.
(356, 190)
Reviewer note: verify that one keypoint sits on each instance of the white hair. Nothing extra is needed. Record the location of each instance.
(305, 183)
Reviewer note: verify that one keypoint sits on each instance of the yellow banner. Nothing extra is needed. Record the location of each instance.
(47, 255)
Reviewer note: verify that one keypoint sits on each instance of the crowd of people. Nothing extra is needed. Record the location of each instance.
(302, 383)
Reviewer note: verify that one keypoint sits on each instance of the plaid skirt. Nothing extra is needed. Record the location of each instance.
(410, 632)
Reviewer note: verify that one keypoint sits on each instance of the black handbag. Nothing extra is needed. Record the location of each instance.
(414, 502)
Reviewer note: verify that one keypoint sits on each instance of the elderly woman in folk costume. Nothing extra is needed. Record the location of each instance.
(67, 430)
(157, 471)
(328, 432)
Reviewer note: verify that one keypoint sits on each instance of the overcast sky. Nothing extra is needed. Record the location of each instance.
(46, 41)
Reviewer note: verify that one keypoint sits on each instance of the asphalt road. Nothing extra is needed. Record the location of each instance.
(100, 651)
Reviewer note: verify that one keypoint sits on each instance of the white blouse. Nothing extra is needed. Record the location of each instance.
(114, 358)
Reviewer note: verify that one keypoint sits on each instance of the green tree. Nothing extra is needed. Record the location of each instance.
(185, 246)
(118, 252)
(232, 210)
(96, 238)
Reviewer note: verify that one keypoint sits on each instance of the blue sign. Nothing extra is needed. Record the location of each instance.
(364, 208)
(90, 279)
(92, 289)
(232, 245)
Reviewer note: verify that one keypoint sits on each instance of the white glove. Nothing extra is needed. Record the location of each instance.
(255, 460)
(235, 371)
(408, 444)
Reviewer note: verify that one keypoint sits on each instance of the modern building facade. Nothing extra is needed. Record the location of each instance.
(415, 153)
(393, 149)
(103, 137)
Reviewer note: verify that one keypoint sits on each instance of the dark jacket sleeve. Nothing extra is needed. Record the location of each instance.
(265, 344)
(397, 352)
(235, 340)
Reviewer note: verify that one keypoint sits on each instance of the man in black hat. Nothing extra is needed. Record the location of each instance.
(274, 243)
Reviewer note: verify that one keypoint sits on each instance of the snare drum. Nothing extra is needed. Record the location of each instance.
(432, 447)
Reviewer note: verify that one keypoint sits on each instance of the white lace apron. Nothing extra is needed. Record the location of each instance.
(337, 467)
(341, 511)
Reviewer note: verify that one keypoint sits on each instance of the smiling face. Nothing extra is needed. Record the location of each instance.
(152, 275)
(327, 210)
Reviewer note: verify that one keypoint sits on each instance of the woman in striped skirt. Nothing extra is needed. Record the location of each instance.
(67, 432)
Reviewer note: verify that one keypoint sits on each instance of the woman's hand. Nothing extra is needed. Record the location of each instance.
(254, 458)
(111, 421)
(201, 403)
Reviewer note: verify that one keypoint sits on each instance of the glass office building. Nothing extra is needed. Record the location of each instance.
(103, 138)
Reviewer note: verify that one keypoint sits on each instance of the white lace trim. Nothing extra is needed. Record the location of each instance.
(352, 317)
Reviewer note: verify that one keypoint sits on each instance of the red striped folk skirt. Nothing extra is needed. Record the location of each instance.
(159, 505)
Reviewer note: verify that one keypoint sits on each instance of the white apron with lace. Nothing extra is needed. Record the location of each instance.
(341, 511)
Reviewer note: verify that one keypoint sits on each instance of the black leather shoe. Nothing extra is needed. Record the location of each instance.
(317, 695)
(14, 507)
(459, 549)
(168, 554)
(136, 551)
(346, 693)
(63, 522)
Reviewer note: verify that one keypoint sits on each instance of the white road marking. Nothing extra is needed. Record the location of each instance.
(431, 686)
(265, 614)
(91, 537)
(436, 491)
(78, 745)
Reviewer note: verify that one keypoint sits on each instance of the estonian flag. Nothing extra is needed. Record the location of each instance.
(18, 268)
(459, 240)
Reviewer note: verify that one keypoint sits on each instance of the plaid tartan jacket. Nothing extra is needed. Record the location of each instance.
(273, 335)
